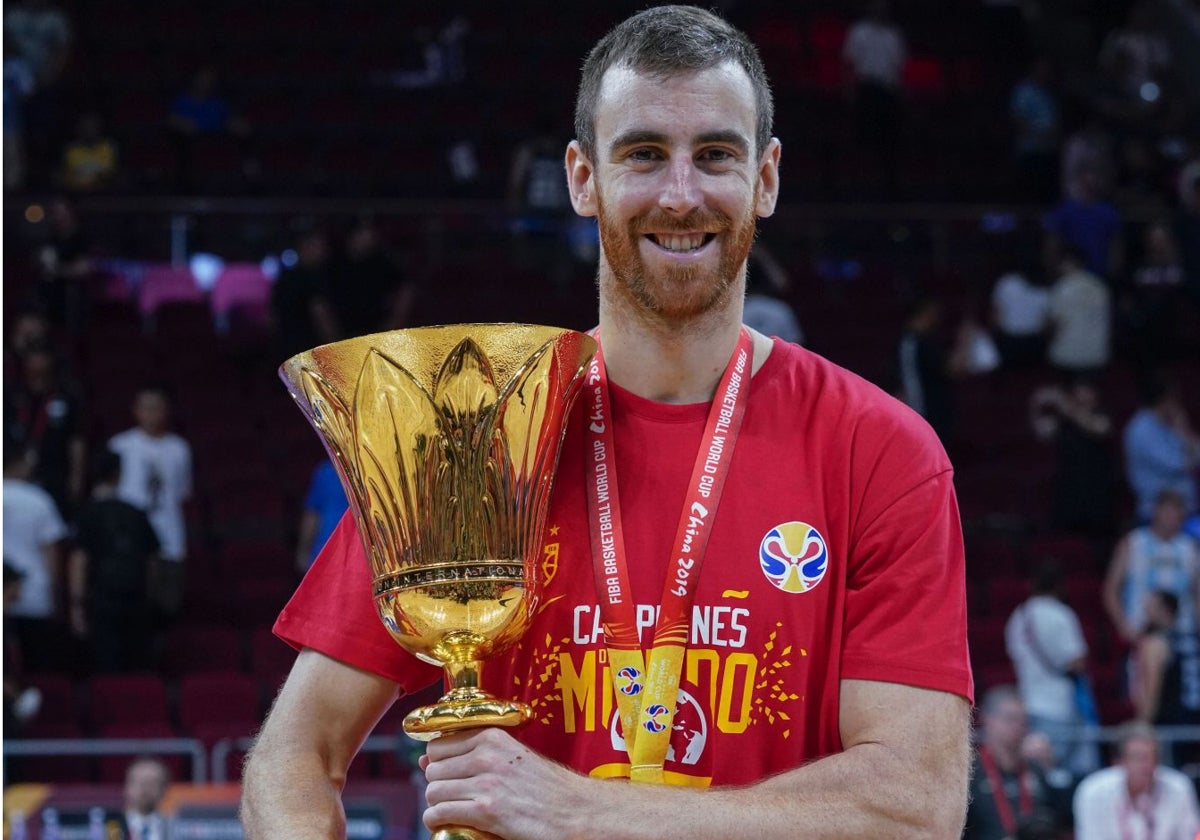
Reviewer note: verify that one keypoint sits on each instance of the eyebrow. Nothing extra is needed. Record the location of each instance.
(637, 137)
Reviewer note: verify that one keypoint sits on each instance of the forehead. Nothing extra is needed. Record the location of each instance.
(682, 105)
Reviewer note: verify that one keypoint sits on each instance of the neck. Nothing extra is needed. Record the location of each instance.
(1007, 758)
(671, 362)
(1138, 790)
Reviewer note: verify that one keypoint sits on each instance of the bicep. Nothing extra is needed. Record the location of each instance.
(930, 728)
(326, 708)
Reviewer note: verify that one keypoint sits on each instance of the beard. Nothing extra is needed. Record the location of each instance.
(680, 293)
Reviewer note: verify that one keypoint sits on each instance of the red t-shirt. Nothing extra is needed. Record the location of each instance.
(825, 461)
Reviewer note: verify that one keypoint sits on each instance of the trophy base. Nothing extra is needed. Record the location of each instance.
(464, 709)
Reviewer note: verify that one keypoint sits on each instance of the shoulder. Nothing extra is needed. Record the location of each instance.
(831, 402)
(1098, 785)
(1175, 781)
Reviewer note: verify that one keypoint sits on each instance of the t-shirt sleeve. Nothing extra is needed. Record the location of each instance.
(906, 617)
(333, 611)
(50, 526)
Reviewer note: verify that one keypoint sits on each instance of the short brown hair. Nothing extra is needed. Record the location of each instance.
(665, 41)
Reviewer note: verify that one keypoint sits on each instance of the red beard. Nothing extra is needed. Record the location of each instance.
(684, 292)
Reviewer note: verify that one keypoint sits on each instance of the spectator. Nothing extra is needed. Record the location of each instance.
(41, 34)
(33, 530)
(371, 294)
(1080, 316)
(1162, 451)
(108, 574)
(1034, 110)
(927, 370)
(1020, 312)
(156, 476)
(874, 56)
(30, 330)
(1006, 790)
(19, 86)
(21, 703)
(1089, 223)
(1155, 298)
(539, 205)
(1161, 557)
(146, 781)
(1136, 798)
(1088, 161)
(89, 160)
(300, 310)
(1048, 651)
(1166, 684)
(42, 416)
(1074, 421)
(324, 505)
(765, 310)
(202, 111)
(64, 262)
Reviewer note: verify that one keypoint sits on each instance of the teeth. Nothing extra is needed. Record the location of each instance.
(676, 242)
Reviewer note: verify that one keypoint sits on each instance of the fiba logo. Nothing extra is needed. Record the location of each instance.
(793, 556)
(629, 681)
(654, 713)
(689, 730)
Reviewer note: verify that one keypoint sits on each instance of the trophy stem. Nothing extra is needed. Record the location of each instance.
(464, 706)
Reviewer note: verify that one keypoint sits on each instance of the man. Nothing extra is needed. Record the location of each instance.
(33, 531)
(156, 476)
(1080, 317)
(1166, 684)
(1162, 450)
(1048, 650)
(108, 574)
(1159, 556)
(674, 156)
(146, 782)
(1136, 799)
(1008, 791)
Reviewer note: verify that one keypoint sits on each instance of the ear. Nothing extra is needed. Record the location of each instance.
(581, 180)
(768, 179)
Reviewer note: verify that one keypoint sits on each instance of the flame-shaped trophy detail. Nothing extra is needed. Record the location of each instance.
(446, 440)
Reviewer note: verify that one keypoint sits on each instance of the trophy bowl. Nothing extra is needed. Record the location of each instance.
(446, 440)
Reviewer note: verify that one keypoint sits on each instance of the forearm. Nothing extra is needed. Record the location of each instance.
(289, 793)
(865, 791)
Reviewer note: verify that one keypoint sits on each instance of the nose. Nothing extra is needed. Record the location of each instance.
(681, 193)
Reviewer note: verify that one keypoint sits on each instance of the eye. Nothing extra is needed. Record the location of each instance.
(643, 155)
(718, 156)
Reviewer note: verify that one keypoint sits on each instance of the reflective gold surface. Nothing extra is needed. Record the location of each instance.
(446, 440)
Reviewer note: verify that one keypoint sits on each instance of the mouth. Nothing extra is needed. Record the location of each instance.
(681, 243)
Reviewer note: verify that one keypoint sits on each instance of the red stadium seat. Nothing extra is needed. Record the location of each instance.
(202, 647)
(219, 698)
(127, 698)
(165, 283)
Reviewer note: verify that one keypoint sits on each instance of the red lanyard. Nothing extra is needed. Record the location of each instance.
(647, 687)
(1003, 806)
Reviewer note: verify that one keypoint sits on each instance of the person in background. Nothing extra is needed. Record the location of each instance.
(371, 293)
(1037, 125)
(301, 316)
(1073, 420)
(109, 572)
(1166, 667)
(1046, 644)
(21, 702)
(1080, 315)
(1136, 798)
(89, 161)
(1020, 313)
(43, 417)
(324, 505)
(1007, 790)
(146, 781)
(1158, 556)
(928, 370)
(1162, 451)
(1090, 224)
(1155, 298)
(33, 532)
(156, 477)
(873, 57)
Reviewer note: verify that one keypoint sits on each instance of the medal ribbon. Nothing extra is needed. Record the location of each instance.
(1003, 807)
(647, 686)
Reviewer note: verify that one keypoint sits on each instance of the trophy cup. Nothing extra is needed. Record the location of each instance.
(446, 440)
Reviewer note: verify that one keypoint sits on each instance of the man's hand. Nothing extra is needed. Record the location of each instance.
(488, 780)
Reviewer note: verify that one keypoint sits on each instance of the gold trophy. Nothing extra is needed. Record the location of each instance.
(446, 440)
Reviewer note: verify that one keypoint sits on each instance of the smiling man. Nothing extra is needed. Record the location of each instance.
(803, 673)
